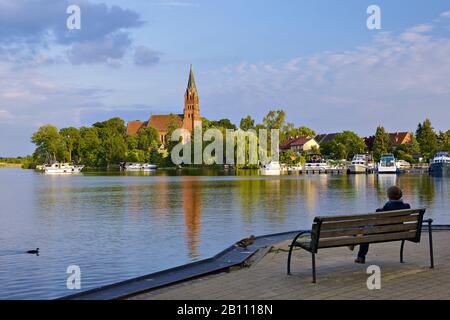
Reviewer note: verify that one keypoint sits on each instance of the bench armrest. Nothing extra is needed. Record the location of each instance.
(300, 234)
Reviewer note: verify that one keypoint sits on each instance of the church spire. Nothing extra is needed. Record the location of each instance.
(191, 81)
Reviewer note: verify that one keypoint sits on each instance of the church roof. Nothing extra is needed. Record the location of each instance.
(133, 127)
(161, 122)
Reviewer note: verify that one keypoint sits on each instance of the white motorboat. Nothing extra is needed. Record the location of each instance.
(149, 167)
(62, 168)
(440, 165)
(134, 166)
(271, 169)
(359, 164)
(387, 164)
(316, 163)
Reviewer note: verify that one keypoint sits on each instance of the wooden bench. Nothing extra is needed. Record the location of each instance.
(350, 230)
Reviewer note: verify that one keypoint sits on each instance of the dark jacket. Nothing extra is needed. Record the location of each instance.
(392, 205)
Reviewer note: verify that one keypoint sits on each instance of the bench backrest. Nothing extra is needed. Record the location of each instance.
(339, 231)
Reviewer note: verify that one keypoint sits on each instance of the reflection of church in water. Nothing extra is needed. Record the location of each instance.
(192, 206)
(190, 199)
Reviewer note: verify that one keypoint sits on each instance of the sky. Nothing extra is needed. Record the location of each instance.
(317, 60)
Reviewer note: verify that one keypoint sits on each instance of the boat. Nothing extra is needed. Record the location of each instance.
(440, 165)
(62, 168)
(134, 166)
(387, 164)
(273, 168)
(149, 167)
(316, 163)
(403, 164)
(359, 164)
(130, 166)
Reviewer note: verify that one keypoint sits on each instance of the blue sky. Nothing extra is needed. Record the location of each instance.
(315, 59)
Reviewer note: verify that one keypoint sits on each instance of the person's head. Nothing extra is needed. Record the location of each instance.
(394, 193)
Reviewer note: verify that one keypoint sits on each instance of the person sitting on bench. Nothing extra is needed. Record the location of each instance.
(395, 202)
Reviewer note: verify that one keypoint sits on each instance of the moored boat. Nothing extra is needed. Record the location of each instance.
(62, 168)
(149, 167)
(440, 165)
(273, 168)
(359, 164)
(316, 163)
(134, 166)
(387, 164)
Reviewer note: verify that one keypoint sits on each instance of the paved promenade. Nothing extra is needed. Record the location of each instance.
(337, 276)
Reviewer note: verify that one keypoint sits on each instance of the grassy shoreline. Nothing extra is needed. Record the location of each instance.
(10, 165)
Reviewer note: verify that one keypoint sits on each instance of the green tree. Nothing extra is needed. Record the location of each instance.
(289, 130)
(274, 119)
(148, 138)
(345, 145)
(112, 134)
(247, 123)
(48, 143)
(427, 139)
(444, 141)
(71, 142)
(381, 143)
(89, 146)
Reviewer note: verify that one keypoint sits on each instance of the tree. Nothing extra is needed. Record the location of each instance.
(113, 147)
(148, 138)
(48, 143)
(381, 143)
(274, 119)
(408, 151)
(444, 141)
(289, 131)
(89, 146)
(345, 145)
(427, 139)
(71, 141)
(247, 123)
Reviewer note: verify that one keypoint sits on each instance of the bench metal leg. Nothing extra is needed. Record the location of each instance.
(291, 247)
(401, 251)
(314, 267)
(430, 235)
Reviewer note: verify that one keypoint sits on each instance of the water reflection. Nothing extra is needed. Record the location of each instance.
(118, 226)
(192, 205)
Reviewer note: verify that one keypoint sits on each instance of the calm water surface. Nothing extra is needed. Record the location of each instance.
(116, 227)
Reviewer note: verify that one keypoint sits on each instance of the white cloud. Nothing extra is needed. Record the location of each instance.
(396, 80)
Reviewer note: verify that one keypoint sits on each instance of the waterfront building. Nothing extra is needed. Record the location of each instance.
(396, 139)
(188, 120)
(299, 144)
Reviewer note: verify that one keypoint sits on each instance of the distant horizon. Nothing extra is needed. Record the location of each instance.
(318, 61)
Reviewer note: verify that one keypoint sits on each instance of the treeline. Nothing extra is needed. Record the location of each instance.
(425, 142)
(106, 143)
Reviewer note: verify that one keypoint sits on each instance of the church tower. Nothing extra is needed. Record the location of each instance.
(191, 113)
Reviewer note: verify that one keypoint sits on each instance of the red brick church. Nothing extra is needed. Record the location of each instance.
(188, 120)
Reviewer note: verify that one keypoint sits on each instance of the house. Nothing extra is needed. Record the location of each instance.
(299, 144)
(400, 138)
(396, 139)
(162, 123)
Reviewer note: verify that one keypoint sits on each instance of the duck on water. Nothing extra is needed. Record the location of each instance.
(36, 252)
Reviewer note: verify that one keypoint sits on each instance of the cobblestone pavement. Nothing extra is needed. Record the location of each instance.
(337, 276)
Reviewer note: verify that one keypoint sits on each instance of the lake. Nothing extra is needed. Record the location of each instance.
(116, 226)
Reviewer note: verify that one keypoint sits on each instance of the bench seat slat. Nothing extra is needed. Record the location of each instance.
(368, 222)
(345, 241)
(369, 215)
(368, 230)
